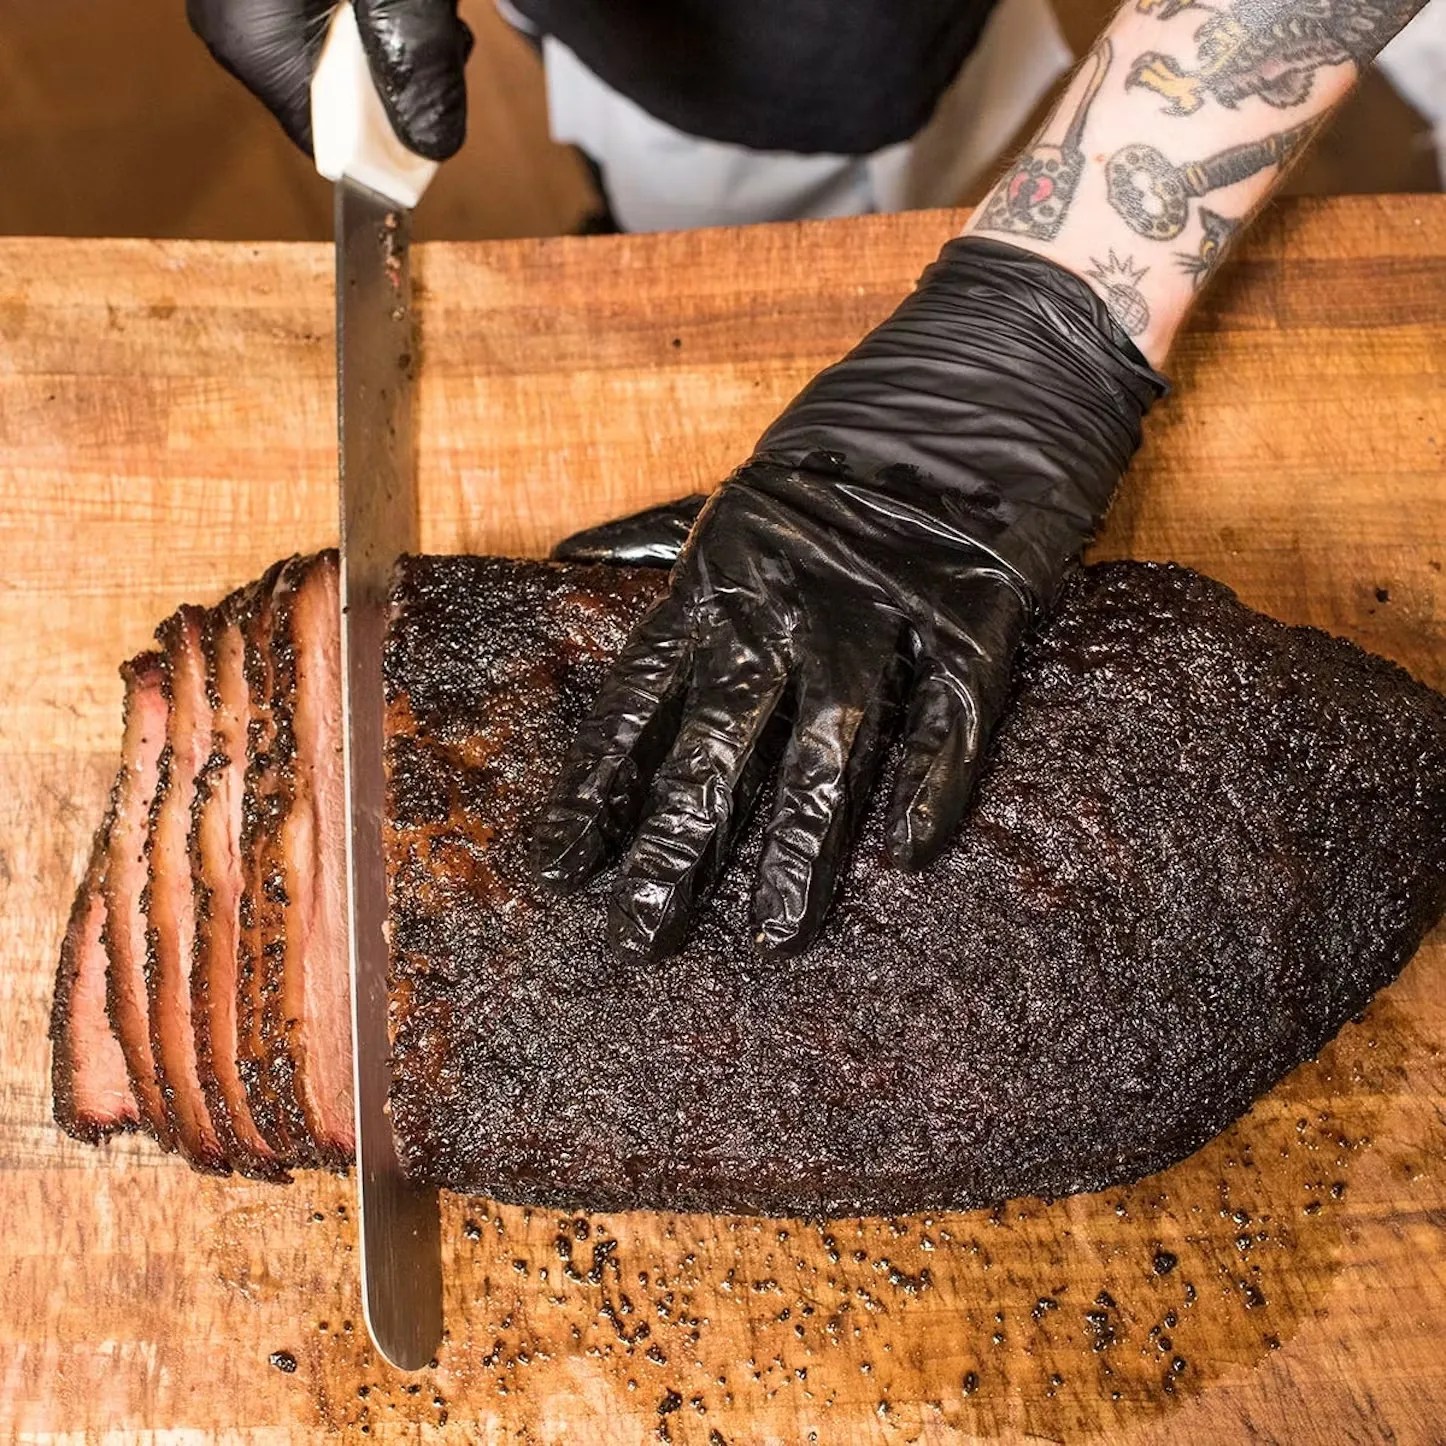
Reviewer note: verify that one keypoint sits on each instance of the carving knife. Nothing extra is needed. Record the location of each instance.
(377, 181)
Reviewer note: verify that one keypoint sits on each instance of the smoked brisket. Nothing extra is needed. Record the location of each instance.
(170, 902)
(123, 930)
(1202, 842)
(310, 996)
(261, 910)
(215, 846)
(92, 1092)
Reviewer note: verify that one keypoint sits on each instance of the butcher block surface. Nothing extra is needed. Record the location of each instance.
(167, 428)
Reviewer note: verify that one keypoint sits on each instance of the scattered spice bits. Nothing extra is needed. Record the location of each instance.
(1101, 1329)
(971, 1382)
(1043, 1305)
(670, 1402)
(1165, 1261)
(283, 1361)
(472, 1230)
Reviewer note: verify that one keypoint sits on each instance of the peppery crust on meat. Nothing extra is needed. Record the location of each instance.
(1203, 841)
(262, 906)
(168, 897)
(90, 1089)
(215, 853)
(123, 930)
(309, 998)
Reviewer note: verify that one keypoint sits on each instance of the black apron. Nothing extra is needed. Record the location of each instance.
(843, 76)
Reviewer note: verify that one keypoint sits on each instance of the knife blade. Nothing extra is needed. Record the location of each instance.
(400, 1222)
(376, 181)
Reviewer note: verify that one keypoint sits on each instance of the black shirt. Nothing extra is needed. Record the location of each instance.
(848, 76)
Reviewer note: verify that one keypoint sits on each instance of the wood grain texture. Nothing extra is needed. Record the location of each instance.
(166, 429)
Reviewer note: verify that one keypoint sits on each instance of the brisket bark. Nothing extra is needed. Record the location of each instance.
(1203, 842)
(124, 927)
(215, 848)
(89, 1085)
(169, 898)
(260, 911)
(311, 998)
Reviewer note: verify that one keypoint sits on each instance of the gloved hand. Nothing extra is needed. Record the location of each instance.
(651, 538)
(892, 536)
(416, 50)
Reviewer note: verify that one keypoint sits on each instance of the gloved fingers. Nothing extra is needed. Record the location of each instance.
(652, 538)
(604, 780)
(417, 51)
(829, 766)
(701, 793)
(945, 736)
(270, 46)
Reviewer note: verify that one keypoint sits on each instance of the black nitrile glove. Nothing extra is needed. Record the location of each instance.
(891, 537)
(416, 50)
(651, 538)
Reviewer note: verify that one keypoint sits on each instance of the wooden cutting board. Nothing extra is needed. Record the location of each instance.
(167, 428)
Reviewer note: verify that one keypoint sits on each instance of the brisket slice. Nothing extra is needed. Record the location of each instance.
(123, 931)
(260, 912)
(215, 850)
(169, 900)
(1203, 842)
(308, 946)
(91, 1092)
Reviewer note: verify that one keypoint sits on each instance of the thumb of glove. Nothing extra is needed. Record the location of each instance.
(417, 51)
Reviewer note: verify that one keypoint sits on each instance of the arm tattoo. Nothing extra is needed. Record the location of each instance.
(1217, 232)
(1033, 199)
(1266, 48)
(1119, 282)
(1154, 196)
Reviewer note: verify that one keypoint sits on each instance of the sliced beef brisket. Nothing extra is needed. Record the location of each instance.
(1204, 841)
(313, 1066)
(261, 910)
(124, 926)
(215, 849)
(90, 1089)
(169, 899)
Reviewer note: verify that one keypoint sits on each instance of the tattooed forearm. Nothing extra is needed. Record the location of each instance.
(1172, 135)
(1034, 198)
(1154, 196)
(1216, 234)
(1267, 48)
(1118, 281)
(1165, 9)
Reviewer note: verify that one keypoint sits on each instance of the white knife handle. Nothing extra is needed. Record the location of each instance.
(350, 133)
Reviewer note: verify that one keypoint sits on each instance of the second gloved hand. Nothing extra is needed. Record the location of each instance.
(887, 544)
(416, 49)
